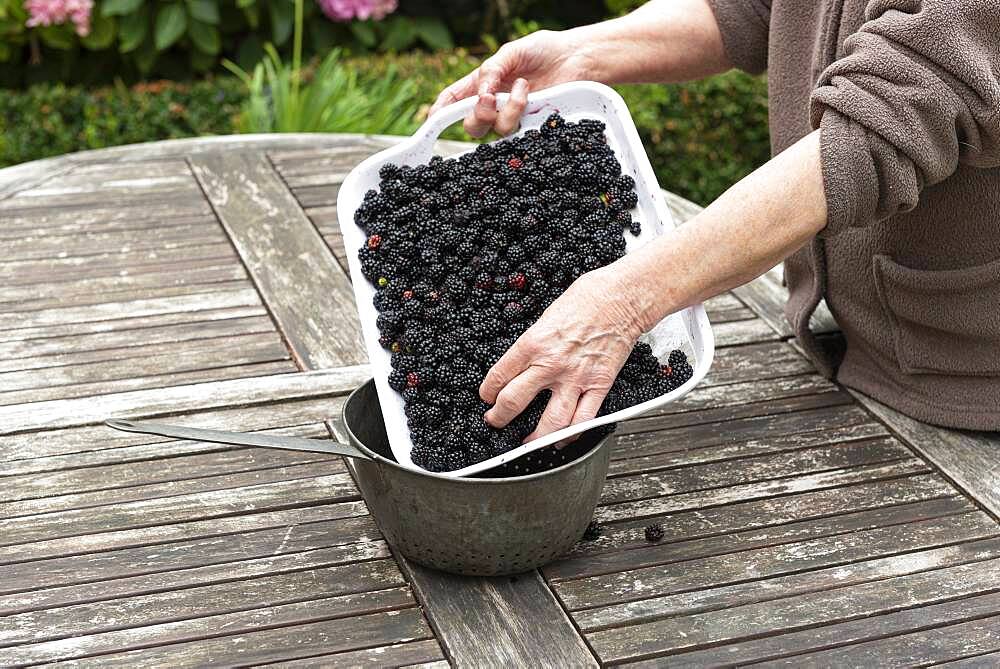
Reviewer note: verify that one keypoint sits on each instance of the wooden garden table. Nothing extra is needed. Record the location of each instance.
(205, 280)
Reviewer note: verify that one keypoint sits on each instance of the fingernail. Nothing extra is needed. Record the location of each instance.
(521, 83)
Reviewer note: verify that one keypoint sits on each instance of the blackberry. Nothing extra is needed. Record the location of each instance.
(592, 532)
(467, 253)
(455, 460)
(397, 380)
(654, 533)
(480, 451)
(682, 372)
(676, 357)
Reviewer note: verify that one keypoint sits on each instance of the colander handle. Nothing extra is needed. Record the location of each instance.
(453, 113)
(237, 438)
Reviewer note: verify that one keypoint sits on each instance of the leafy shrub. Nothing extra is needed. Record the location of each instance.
(133, 39)
(49, 120)
(334, 99)
(701, 137)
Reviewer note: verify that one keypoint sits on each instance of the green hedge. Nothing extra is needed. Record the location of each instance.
(701, 137)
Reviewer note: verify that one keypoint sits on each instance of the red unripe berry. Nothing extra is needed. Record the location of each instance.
(515, 162)
(374, 241)
(517, 281)
(407, 294)
(666, 370)
(412, 380)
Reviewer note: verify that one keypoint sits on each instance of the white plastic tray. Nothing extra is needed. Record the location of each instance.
(688, 330)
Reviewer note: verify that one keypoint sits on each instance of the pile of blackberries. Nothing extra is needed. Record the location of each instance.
(467, 253)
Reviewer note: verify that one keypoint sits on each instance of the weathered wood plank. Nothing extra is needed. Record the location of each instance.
(178, 399)
(729, 315)
(183, 466)
(336, 246)
(756, 361)
(791, 510)
(89, 173)
(586, 564)
(317, 196)
(162, 360)
(500, 621)
(841, 634)
(291, 164)
(17, 272)
(97, 388)
(748, 392)
(40, 246)
(742, 449)
(73, 452)
(169, 191)
(764, 467)
(193, 506)
(225, 624)
(58, 350)
(131, 183)
(767, 297)
(737, 493)
(306, 291)
(908, 650)
(133, 323)
(732, 333)
(24, 311)
(968, 458)
(45, 295)
(180, 531)
(760, 563)
(140, 560)
(220, 299)
(283, 643)
(143, 357)
(667, 421)
(673, 635)
(740, 594)
(60, 602)
(357, 568)
(280, 469)
(984, 661)
(320, 158)
(743, 429)
(704, 476)
(105, 218)
(415, 655)
(27, 175)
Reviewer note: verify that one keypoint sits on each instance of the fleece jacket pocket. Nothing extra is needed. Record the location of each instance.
(944, 321)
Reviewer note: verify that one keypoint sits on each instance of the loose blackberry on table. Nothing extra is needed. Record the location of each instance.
(467, 253)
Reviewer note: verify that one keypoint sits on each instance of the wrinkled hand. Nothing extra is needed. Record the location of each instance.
(537, 61)
(575, 349)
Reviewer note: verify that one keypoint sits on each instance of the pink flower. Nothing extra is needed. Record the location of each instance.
(53, 12)
(347, 10)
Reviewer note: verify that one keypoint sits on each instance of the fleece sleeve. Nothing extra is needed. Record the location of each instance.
(744, 26)
(916, 93)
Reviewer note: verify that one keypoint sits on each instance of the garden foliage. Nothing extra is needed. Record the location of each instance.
(701, 137)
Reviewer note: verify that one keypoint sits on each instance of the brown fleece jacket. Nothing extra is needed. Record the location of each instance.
(906, 94)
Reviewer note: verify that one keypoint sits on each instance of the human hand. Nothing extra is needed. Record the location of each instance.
(539, 60)
(575, 349)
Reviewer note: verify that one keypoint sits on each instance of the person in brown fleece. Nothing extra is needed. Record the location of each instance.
(883, 196)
